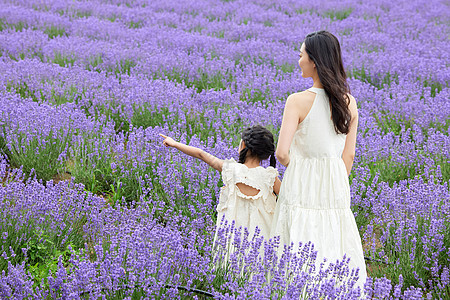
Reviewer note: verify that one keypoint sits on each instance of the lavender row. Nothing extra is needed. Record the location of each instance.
(370, 56)
(88, 90)
(405, 140)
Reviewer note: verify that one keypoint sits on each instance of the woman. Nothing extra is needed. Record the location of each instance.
(317, 144)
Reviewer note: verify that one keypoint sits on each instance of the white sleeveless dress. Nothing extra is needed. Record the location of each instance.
(314, 200)
(247, 211)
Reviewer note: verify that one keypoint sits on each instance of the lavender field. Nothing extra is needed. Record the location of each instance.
(92, 205)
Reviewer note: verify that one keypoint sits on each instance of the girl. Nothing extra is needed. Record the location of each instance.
(248, 197)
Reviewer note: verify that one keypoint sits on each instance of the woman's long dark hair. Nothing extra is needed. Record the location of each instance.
(324, 50)
(258, 143)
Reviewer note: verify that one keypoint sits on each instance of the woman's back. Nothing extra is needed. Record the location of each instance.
(316, 176)
(315, 136)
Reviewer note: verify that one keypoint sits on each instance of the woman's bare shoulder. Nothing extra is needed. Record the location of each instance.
(352, 100)
(302, 97)
(301, 103)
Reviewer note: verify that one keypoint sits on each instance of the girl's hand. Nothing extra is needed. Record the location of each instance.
(211, 160)
(168, 141)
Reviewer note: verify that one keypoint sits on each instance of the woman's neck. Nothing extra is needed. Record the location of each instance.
(316, 82)
(317, 86)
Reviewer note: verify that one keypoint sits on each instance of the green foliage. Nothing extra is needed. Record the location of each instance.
(19, 26)
(137, 24)
(55, 31)
(117, 194)
(375, 48)
(138, 293)
(121, 122)
(192, 12)
(22, 89)
(124, 66)
(287, 68)
(95, 172)
(147, 116)
(212, 18)
(83, 14)
(443, 163)
(40, 7)
(196, 28)
(94, 63)
(16, 238)
(70, 95)
(220, 34)
(36, 241)
(197, 123)
(49, 265)
(409, 256)
(254, 95)
(39, 55)
(391, 171)
(439, 125)
(62, 12)
(216, 82)
(346, 32)
(112, 18)
(3, 148)
(57, 97)
(203, 81)
(17, 58)
(435, 87)
(338, 14)
(63, 61)
(39, 154)
(245, 21)
(391, 123)
(363, 216)
(377, 80)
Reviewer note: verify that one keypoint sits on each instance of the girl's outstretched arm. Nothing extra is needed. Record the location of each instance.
(211, 160)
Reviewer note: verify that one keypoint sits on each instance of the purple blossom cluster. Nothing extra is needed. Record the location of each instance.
(86, 87)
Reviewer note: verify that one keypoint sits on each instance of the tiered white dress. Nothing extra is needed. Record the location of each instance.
(247, 211)
(314, 200)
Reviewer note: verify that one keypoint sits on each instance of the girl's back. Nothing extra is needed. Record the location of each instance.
(247, 196)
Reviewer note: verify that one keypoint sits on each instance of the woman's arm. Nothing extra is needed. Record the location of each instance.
(277, 185)
(348, 155)
(211, 160)
(296, 108)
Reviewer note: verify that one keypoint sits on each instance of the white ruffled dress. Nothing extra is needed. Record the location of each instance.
(247, 211)
(314, 200)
